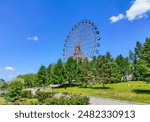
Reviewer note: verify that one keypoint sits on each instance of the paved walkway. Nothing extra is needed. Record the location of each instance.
(107, 101)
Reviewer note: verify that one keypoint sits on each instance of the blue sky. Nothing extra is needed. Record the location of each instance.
(32, 32)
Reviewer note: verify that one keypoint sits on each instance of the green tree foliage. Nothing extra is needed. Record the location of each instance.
(116, 73)
(49, 74)
(42, 76)
(58, 73)
(124, 66)
(78, 70)
(134, 57)
(144, 70)
(14, 90)
(29, 80)
(143, 64)
(140, 59)
(108, 56)
(86, 73)
(145, 51)
(2, 80)
(3, 84)
(71, 70)
(103, 70)
(93, 69)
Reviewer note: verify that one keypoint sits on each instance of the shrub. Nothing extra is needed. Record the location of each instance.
(80, 100)
(68, 100)
(2, 101)
(26, 94)
(24, 101)
(51, 101)
(33, 101)
(14, 90)
(51, 98)
(41, 95)
(2, 94)
(20, 101)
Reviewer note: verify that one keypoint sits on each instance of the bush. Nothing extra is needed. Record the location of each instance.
(2, 94)
(26, 94)
(51, 98)
(68, 100)
(14, 90)
(24, 101)
(41, 95)
(33, 101)
(2, 101)
(79, 100)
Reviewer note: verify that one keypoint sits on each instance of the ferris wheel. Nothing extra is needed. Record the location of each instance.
(82, 41)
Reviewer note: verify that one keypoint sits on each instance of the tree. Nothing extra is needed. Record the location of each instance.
(93, 69)
(78, 71)
(29, 80)
(134, 57)
(86, 73)
(58, 73)
(42, 76)
(116, 73)
(2, 80)
(108, 56)
(49, 73)
(144, 70)
(71, 70)
(103, 70)
(143, 64)
(140, 59)
(14, 90)
(145, 52)
(124, 66)
(3, 84)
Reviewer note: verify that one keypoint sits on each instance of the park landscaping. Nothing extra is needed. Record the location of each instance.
(16, 95)
(122, 78)
(136, 91)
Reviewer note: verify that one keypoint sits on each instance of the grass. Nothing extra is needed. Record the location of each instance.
(136, 91)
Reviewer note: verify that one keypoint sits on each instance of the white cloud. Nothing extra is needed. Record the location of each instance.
(138, 10)
(33, 38)
(114, 19)
(8, 68)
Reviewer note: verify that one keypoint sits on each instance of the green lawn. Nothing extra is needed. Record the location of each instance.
(130, 91)
(136, 91)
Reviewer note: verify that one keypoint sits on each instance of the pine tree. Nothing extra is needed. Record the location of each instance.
(116, 73)
(42, 76)
(143, 64)
(78, 71)
(58, 73)
(145, 52)
(70, 70)
(124, 66)
(134, 57)
(93, 69)
(86, 74)
(49, 74)
(103, 70)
